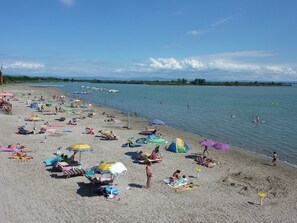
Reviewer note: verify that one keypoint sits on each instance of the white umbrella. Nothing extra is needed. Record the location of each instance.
(118, 169)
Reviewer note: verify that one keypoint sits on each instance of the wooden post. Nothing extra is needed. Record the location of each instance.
(128, 120)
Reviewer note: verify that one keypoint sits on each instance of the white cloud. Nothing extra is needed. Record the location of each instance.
(165, 63)
(198, 32)
(25, 65)
(213, 65)
(68, 3)
(221, 21)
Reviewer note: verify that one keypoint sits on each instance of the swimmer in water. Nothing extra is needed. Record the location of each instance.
(257, 119)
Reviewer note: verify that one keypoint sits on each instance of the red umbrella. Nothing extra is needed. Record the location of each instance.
(6, 94)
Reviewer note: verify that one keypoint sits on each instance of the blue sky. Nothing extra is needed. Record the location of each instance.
(128, 39)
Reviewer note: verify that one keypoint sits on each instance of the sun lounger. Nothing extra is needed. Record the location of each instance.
(73, 171)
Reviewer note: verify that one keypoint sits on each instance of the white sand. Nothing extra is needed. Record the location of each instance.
(31, 193)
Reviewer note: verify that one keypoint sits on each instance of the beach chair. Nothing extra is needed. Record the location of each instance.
(71, 171)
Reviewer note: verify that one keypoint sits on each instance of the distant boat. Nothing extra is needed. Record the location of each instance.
(81, 92)
(113, 91)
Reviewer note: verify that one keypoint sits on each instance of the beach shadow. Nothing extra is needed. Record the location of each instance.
(144, 133)
(192, 176)
(250, 202)
(192, 156)
(266, 164)
(133, 185)
(132, 155)
(86, 190)
(56, 176)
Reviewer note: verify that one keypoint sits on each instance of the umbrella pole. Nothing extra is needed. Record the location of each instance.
(80, 157)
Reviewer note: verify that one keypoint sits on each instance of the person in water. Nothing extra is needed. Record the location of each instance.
(257, 119)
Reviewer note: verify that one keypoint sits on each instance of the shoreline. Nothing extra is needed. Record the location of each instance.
(200, 137)
(220, 195)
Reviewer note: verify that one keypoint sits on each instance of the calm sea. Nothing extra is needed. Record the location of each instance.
(207, 111)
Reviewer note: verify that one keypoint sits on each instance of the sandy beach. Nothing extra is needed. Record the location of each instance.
(31, 192)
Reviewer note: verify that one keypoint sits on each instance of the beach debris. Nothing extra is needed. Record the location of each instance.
(261, 195)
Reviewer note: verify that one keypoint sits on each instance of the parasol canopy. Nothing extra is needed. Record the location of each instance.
(221, 146)
(206, 142)
(80, 147)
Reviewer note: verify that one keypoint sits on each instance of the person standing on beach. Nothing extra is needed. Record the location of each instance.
(205, 150)
(149, 175)
(274, 157)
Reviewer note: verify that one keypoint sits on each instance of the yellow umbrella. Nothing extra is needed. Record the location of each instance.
(34, 119)
(104, 166)
(198, 170)
(261, 195)
(80, 147)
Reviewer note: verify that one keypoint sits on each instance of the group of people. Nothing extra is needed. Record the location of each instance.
(205, 161)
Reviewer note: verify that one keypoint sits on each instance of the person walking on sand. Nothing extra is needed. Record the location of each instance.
(274, 157)
(205, 150)
(149, 175)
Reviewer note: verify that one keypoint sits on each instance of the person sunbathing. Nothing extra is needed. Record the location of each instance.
(72, 122)
(155, 154)
(21, 153)
(175, 175)
(101, 179)
(42, 130)
(150, 129)
(17, 146)
(141, 156)
(182, 180)
(108, 134)
(188, 185)
(204, 161)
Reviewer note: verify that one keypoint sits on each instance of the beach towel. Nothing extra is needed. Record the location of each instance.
(56, 125)
(185, 188)
(179, 186)
(169, 182)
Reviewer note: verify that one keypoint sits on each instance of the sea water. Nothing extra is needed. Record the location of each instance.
(224, 114)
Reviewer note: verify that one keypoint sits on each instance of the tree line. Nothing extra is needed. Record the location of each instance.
(10, 79)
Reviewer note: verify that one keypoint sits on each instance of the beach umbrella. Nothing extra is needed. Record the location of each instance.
(6, 94)
(221, 146)
(156, 122)
(80, 147)
(115, 168)
(34, 119)
(206, 142)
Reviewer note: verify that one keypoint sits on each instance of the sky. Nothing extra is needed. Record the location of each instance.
(217, 40)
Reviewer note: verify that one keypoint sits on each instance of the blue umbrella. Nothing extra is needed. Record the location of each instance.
(156, 122)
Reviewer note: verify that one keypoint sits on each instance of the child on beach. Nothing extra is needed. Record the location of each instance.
(274, 157)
